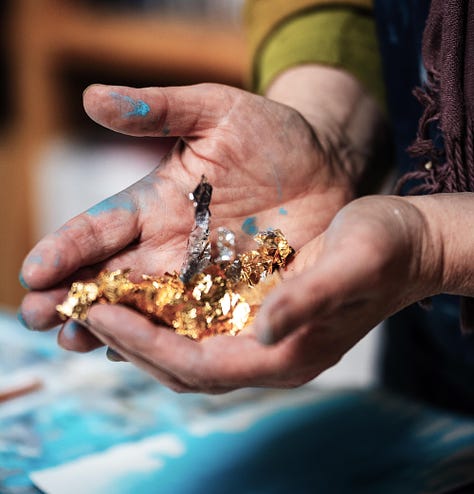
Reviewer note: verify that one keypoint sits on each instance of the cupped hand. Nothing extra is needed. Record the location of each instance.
(266, 164)
(377, 256)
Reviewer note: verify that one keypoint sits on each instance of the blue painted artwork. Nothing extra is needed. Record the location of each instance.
(98, 427)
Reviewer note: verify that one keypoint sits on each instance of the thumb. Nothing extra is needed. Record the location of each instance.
(159, 112)
(310, 297)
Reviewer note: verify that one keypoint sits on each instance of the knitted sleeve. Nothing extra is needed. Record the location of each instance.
(337, 33)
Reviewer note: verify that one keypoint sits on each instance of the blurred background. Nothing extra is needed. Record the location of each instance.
(54, 162)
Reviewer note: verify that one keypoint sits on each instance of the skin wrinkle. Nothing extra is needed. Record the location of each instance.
(149, 183)
(160, 123)
(131, 209)
(421, 243)
(192, 126)
(187, 145)
(432, 246)
(78, 247)
(74, 244)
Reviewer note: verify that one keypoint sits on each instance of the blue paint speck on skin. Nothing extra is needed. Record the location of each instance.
(34, 259)
(138, 107)
(117, 202)
(21, 319)
(22, 281)
(57, 260)
(249, 226)
(71, 330)
(283, 211)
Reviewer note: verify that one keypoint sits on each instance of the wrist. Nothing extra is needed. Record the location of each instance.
(347, 121)
(450, 222)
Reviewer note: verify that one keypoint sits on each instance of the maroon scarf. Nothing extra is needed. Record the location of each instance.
(448, 100)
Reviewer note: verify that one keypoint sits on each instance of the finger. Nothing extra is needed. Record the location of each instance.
(170, 111)
(309, 297)
(76, 338)
(154, 369)
(217, 364)
(114, 356)
(86, 239)
(37, 310)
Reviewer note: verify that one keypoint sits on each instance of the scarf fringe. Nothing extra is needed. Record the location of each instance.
(442, 168)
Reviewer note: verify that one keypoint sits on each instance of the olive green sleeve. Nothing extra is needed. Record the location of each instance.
(336, 35)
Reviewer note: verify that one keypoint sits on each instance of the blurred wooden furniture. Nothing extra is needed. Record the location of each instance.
(46, 37)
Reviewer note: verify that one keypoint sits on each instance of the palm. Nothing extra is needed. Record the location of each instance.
(267, 171)
(262, 158)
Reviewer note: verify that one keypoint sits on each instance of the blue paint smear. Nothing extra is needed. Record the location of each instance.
(114, 203)
(21, 319)
(283, 211)
(57, 260)
(34, 259)
(71, 330)
(249, 226)
(22, 281)
(138, 107)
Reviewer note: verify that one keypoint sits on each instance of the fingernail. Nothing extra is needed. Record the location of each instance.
(114, 356)
(21, 319)
(22, 281)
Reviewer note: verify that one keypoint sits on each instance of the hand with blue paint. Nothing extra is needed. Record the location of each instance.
(269, 168)
(378, 255)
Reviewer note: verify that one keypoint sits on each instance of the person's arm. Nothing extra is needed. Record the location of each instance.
(323, 60)
(346, 119)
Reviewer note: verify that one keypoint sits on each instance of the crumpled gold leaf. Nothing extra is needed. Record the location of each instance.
(222, 299)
